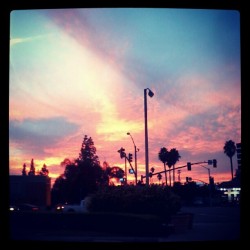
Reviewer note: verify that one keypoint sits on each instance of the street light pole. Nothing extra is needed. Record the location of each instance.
(209, 187)
(136, 150)
(150, 93)
(208, 169)
(126, 180)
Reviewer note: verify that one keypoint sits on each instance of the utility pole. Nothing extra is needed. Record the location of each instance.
(126, 181)
(151, 94)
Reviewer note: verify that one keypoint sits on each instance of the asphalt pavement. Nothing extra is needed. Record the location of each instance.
(209, 224)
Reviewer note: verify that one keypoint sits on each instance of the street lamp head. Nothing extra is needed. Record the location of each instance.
(128, 133)
(150, 93)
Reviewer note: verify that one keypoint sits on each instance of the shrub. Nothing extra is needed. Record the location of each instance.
(154, 200)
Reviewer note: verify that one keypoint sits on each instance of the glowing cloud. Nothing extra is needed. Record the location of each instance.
(87, 76)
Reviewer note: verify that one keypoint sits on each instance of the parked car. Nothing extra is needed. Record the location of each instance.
(78, 208)
(13, 208)
(59, 207)
(28, 207)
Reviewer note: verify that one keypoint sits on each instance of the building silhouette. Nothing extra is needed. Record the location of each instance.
(238, 150)
(34, 189)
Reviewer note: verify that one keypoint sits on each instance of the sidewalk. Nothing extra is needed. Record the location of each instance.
(207, 232)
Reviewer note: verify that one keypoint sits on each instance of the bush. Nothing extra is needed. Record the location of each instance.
(153, 200)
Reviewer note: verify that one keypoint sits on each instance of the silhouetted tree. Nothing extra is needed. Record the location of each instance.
(159, 177)
(88, 152)
(163, 154)
(106, 171)
(116, 173)
(174, 157)
(111, 173)
(81, 176)
(60, 190)
(105, 165)
(66, 162)
(44, 171)
(229, 150)
(32, 167)
(24, 172)
(151, 174)
(170, 164)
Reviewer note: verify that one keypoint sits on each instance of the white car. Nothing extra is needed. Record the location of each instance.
(67, 208)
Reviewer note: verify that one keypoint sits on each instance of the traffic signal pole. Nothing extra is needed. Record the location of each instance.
(184, 166)
(209, 185)
(131, 165)
(129, 159)
(164, 171)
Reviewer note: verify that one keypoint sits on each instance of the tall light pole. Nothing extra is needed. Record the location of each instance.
(209, 187)
(136, 150)
(151, 94)
(126, 179)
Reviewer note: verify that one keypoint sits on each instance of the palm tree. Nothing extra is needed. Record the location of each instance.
(151, 173)
(174, 155)
(150, 176)
(170, 164)
(163, 156)
(229, 150)
(159, 177)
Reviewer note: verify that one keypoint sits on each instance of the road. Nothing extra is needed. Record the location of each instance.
(209, 224)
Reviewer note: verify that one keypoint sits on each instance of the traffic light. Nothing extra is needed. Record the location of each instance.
(214, 163)
(189, 166)
(187, 179)
(130, 157)
(209, 162)
(122, 152)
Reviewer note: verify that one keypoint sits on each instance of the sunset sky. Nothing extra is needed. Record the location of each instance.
(76, 72)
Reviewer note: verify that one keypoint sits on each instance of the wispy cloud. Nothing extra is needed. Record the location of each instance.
(92, 74)
(14, 41)
(35, 136)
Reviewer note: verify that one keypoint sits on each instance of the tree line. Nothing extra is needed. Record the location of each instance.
(84, 175)
(44, 170)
